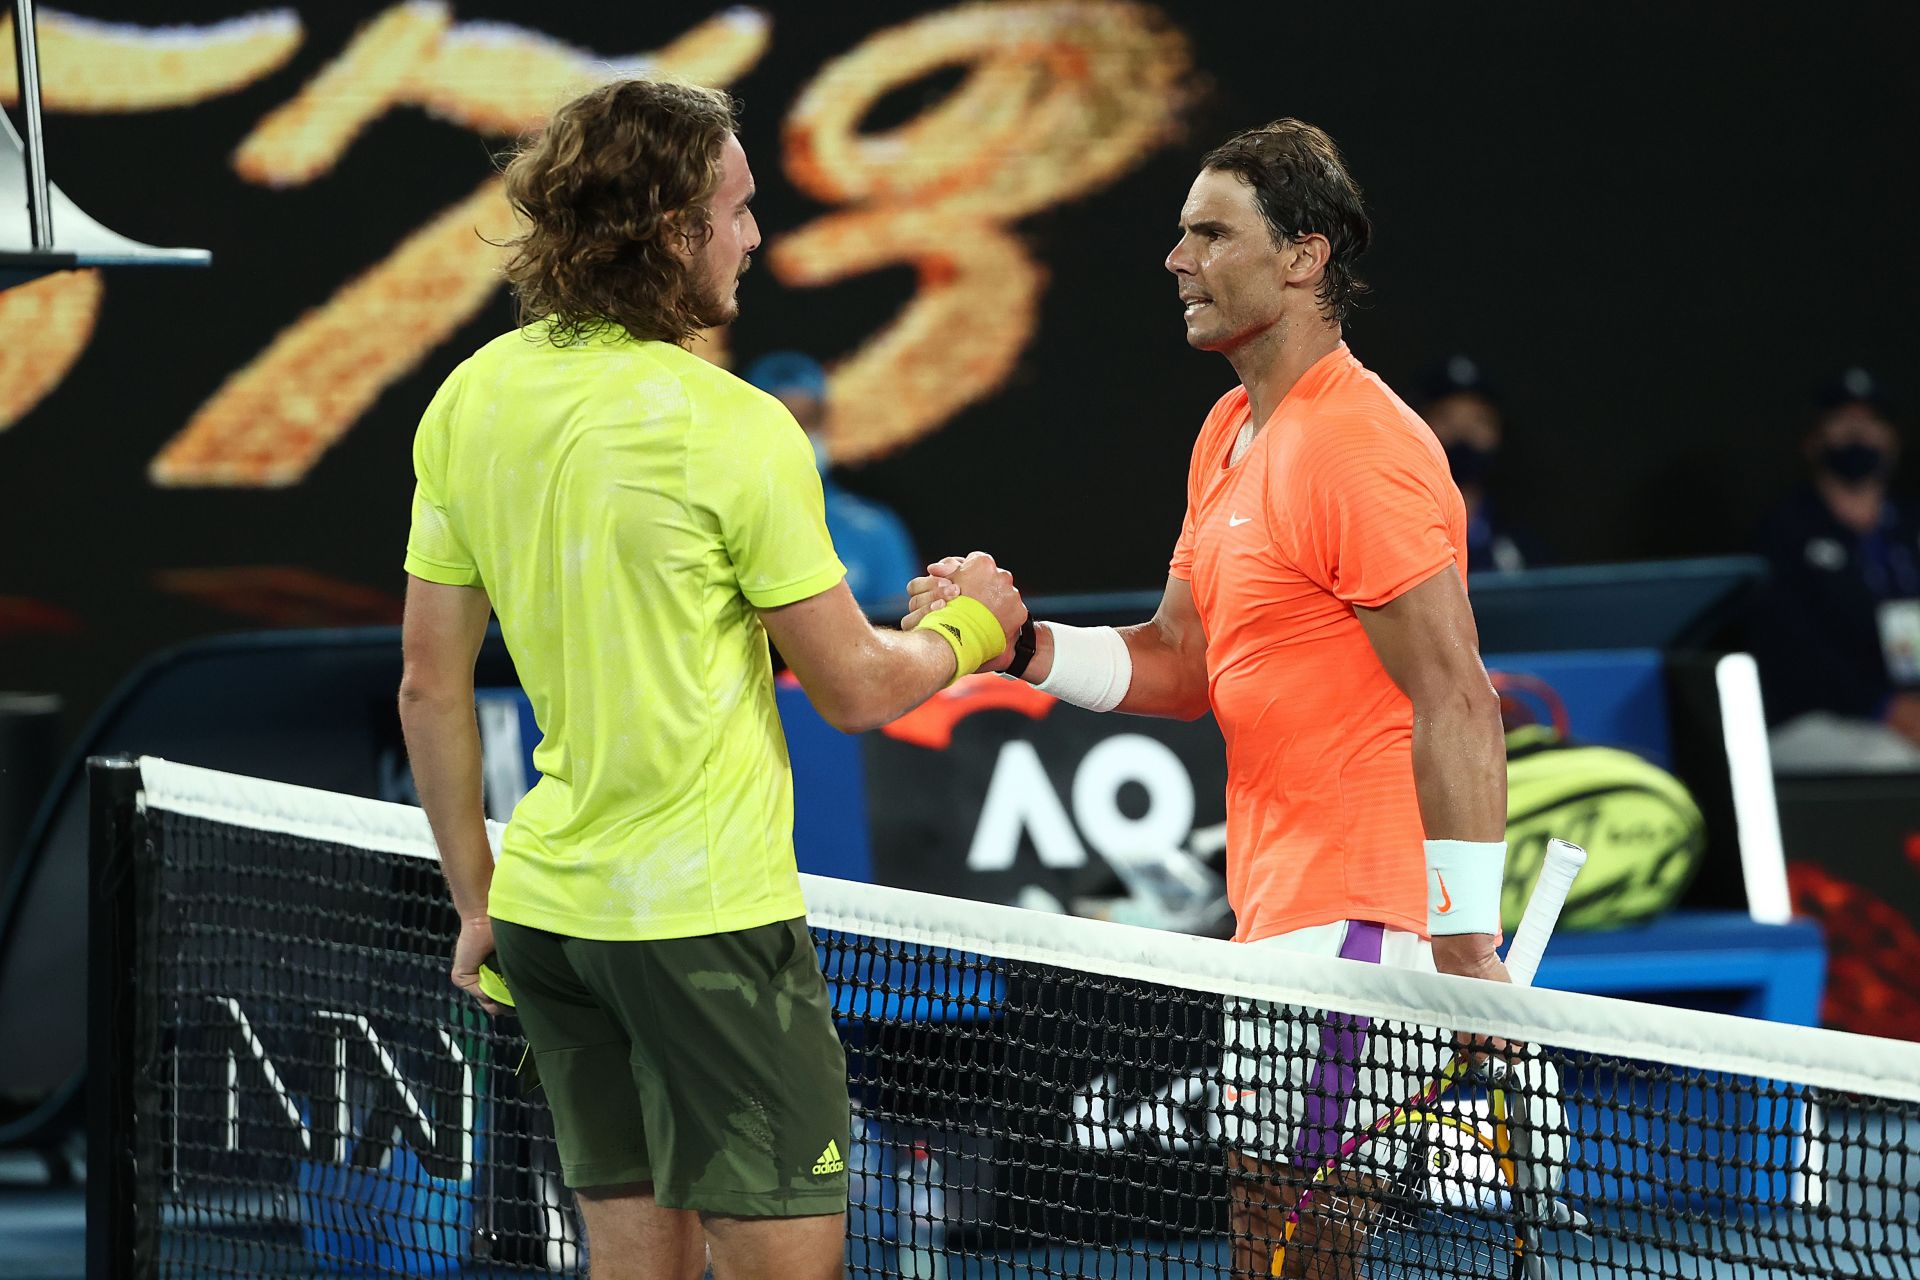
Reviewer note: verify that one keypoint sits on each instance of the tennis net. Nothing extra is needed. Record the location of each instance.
(284, 1084)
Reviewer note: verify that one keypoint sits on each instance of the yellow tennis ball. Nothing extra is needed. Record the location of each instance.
(493, 986)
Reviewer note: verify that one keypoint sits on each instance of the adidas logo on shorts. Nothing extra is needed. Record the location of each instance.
(829, 1161)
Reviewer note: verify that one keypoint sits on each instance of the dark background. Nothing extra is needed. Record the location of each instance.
(1656, 227)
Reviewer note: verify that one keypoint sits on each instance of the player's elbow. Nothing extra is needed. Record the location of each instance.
(421, 689)
(836, 700)
(849, 687)
(1195, 707)
(852, 715)
(851, 694)
(1467, 701)
(1195, 700)
(1483, 702)
(1178, 702)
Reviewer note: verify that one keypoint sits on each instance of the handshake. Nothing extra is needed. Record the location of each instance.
(976, 578)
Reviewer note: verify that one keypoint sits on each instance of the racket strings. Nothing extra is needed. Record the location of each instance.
(1395, 1222)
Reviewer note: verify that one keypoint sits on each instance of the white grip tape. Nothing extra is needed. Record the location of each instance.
(1563, 863)
(1092, 667)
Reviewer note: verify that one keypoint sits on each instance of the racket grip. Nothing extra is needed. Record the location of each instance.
(1562, 864)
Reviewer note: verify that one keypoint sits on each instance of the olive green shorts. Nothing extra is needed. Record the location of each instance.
(707, 1066)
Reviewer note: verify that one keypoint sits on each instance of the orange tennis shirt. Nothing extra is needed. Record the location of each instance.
(1343, 501)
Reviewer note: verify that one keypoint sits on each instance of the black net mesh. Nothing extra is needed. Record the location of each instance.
(312, 1097)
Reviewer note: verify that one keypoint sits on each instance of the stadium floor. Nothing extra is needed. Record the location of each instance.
(43, 1237)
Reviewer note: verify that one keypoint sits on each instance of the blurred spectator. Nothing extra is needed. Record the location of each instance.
(1466, 417)
(871, 540)
(1838, 632)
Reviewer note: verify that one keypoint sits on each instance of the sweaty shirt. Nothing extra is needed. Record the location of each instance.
(1343, 501)
(627, 507)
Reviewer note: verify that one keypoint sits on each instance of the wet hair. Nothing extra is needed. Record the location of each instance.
(618, 177)
(1301, 185)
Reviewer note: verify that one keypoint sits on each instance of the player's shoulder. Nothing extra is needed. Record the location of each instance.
(728, 413)
(677, 383)
(515, 351)
(488, 360)
(717, 388)
(1354, 398)
(730, 403)
(451, 397)
(1355, 415)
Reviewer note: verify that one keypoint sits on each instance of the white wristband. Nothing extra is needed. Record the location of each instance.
(1091, 666)
(1463, 886)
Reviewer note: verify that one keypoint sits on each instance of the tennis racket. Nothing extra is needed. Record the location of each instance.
(1429, 1189)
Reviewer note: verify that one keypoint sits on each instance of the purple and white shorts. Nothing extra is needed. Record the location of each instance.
(1295, 1083)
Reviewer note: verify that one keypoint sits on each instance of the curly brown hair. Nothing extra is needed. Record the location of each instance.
(615, 179)
(1301, 184)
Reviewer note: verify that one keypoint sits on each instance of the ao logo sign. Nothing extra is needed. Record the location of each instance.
(1021, 801)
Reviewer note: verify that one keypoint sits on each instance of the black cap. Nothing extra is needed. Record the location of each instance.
(1458, 375)
(1853, 385)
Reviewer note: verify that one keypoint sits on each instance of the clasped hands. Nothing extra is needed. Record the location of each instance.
(977, 577)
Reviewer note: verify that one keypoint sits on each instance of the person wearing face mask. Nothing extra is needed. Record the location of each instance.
(1467, 420)
(872, 541)
(1838, 630)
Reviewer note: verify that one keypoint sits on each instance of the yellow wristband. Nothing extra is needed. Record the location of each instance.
(971, 629)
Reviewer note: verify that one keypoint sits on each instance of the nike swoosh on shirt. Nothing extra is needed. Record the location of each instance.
(1234, 522)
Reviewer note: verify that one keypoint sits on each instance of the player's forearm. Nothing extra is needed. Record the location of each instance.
(443, 746)
(1460, 772)
(892, 673)
(1166, 679)
(1460, 765)
(1169, 680)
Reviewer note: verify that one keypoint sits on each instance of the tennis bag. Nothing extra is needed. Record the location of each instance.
(1642, 831)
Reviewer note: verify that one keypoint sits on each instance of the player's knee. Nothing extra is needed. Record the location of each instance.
(631, 1236)
(789, 1248)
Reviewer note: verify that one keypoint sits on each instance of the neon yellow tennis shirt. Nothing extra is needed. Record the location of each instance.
(627, 507)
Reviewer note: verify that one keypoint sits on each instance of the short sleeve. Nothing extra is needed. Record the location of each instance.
(434, 549)
(1367, 505)
(758, 478)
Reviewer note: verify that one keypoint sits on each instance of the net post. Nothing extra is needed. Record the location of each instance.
(26, 50)
(113, 786)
